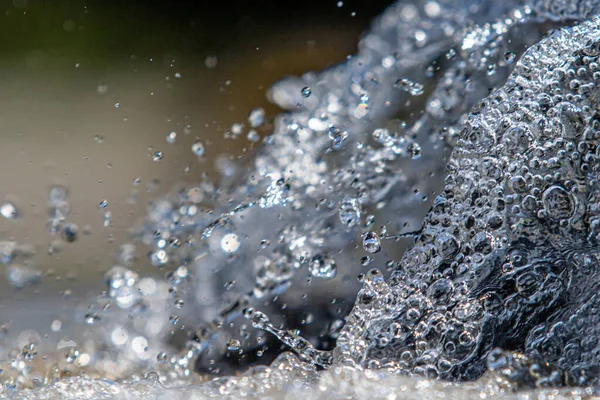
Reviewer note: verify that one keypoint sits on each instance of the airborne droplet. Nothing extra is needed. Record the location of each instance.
(371, 242)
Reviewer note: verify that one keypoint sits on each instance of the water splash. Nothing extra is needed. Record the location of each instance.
(504, 258)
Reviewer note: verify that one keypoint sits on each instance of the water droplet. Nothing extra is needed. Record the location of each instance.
(198, 148)
(509, 57)
(306, 91)
(71, 355)
(413, 88)
(256, 117)
(161, 357)
(349, 212)
(234, 345)
(158, 155)
(171, 137)
(323, 267)
(29, 351)
(9, 211)
(69, 233)
(211, 62)
(253, 136)
(230, 243)
(371, 242)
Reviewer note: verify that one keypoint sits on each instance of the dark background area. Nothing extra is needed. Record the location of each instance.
(110, 28)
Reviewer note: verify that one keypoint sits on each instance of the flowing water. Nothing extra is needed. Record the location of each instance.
(421, 221)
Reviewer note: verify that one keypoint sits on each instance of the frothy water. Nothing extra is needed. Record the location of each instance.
(492, 107)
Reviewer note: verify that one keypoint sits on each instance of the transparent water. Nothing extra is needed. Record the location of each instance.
(451, 165)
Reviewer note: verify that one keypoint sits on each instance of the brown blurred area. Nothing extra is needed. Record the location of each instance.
(89, 90)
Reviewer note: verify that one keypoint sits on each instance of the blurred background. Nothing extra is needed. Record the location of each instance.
(91, 90)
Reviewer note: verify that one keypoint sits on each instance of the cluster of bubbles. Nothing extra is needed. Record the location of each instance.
(502, 275)
(506, 256)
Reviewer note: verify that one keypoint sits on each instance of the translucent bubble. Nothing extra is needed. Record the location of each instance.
(557, 203)
(158, 156)
(306, 91)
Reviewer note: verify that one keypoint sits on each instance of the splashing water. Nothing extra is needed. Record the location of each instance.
(500, 285)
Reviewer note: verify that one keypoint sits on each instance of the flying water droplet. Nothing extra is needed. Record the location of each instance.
(371, 242)
(256, 117)
(198, 148)
(171, 137)
(9, 211)
(323, 267)
(412, 88)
